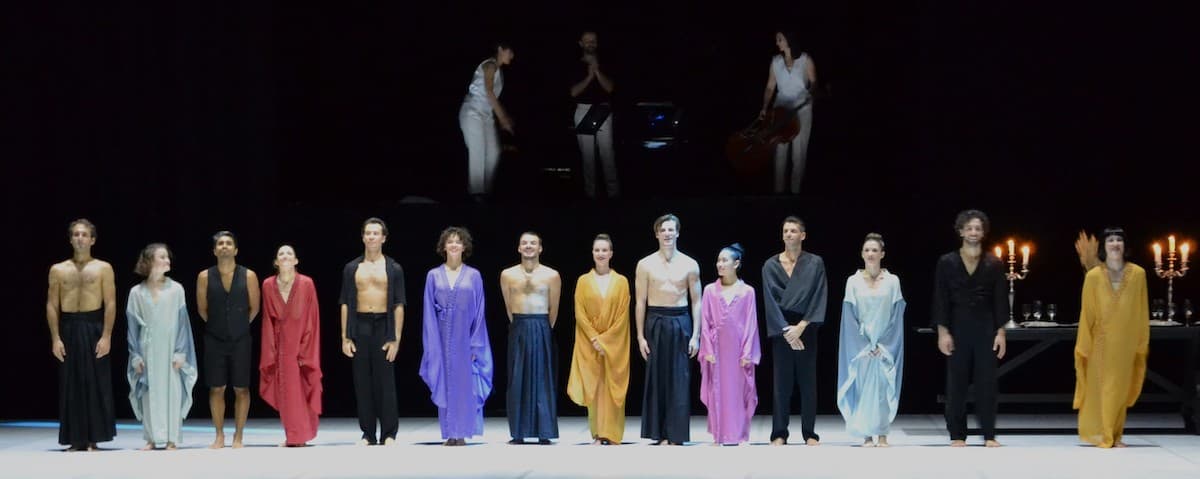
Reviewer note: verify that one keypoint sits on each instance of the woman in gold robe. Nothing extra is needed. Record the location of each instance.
(1113, 343)
(600, 364)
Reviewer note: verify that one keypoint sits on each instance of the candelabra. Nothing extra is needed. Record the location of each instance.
(1013, 276)
(1172, 270)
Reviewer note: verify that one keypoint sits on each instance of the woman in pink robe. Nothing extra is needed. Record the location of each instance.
(290, 366)
(729, 351)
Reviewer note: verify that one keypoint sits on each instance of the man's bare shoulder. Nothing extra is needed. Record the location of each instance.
(547, 271)
(202, 276)
(509, 271)
(689, 261)
(60, 267)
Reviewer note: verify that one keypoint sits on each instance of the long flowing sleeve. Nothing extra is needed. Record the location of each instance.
(751, 351)
(432, 355)
(582, 321)
(708, 331)
(751, 347)
(708, 322)
(771, 309)
(310, 347)
(1083, 338)
(820, 298)
(582, 368)
(137, 382)
(481, 346)
(267, 355)
(615, 340)
(852, 343)
(615, 343)
(1140, 314)
(940, 309)
(185, 352)
(891, 344)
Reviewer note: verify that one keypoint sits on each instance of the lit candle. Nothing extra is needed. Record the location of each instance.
(1024, 256)
(1184, 249)
(1171, 243)
(1157, 254)
(1012, 250)
(999, 253)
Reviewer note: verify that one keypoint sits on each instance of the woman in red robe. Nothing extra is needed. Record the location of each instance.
(290, 366)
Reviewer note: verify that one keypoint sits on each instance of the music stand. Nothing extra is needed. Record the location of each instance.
(596, 115)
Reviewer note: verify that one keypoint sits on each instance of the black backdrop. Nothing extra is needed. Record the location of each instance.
(292, 124)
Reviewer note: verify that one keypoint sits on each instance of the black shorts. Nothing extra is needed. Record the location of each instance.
(227, 361)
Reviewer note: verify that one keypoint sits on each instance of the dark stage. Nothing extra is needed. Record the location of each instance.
(293, 124)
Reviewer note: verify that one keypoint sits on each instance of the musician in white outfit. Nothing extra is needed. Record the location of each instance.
(795, 76)
(481, 110)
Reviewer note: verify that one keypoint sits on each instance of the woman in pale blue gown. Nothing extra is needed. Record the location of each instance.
(162, 356)
(871, 349)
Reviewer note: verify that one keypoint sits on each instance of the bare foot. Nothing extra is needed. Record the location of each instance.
(958, 443)
(812, 442)
(237, 442)
(148, 447)
(883, 441)
(283, 444)
(218, 443)
(992, 443)
(597, 442)
(779, 441)
(171, 446)
(1120, 444)
(92, 447)
(715, 443)
(363, 442)
(868, 443)
(389, 441)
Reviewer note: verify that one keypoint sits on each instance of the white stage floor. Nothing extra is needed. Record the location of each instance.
(919, 451)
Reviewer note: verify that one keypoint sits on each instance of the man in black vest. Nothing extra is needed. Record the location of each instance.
(227, 297)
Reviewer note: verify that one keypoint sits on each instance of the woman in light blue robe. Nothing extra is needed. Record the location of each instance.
(871, 349)
(162, 355)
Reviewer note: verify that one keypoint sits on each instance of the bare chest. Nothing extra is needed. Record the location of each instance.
(370, 277)
(75, 279)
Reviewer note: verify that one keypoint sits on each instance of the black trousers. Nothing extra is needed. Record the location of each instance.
(795, 368)
(85, 398)
(972, 356)
(531, 399)
(666, 405)
(374, 380)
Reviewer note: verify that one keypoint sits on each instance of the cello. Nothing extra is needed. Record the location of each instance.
(750, 149)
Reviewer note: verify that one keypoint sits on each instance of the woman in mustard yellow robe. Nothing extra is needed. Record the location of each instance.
(600, 364)
(1113, 342)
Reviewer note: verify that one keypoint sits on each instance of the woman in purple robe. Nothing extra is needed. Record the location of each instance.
(729, 351)
(457, 361)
